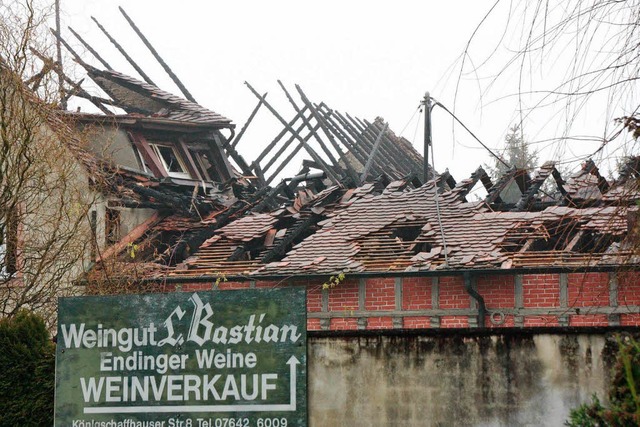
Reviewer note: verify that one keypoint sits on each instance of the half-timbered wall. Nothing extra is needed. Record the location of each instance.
(521, 300)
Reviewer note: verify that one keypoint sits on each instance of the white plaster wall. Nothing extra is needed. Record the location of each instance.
(453, 381)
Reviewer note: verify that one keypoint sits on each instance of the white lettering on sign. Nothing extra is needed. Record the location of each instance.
(201, 330)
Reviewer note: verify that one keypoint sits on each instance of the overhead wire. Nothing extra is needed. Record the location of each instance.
(500, 159)
(436, 195)
(438, 215)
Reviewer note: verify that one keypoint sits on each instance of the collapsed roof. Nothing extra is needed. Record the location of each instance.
(358, 205)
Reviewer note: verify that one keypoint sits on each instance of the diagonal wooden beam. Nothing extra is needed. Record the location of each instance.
(156, 55)
(330, 173)
(282, 133)
(90, 49)
(350, 171)
(236, 140)
(124, 53)
(374, 151)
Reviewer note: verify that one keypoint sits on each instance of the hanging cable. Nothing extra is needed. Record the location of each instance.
(435, 102)
(439, 217)
(415, 132)
(410, 120)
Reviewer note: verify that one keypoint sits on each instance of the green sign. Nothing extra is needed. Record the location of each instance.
(204, 359)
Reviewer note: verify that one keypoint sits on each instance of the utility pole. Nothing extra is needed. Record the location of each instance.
(426, 102)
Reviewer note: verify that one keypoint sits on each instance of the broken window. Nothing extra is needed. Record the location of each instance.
(171, 160)
(112, 226)
(204, 165)
(141, 161)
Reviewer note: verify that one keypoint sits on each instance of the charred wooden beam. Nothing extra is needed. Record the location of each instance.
(349, 168)
(369, 137)
(156, 55)
(285, 162)
(315, 134)
(124, 53)
(374, 151)
(464, 187)
(268, 198)
(73, 53)
(77, 88)
(90, 49)
(387, 146)
(534, 187)
(240, 161)
(590, 167)
(560, 182)
(279, 136)
(278, 251)
(290, 156)
(284, 147)
(402, 156)
(493, 195)
(523, 180)
(237, 254)
(359, 145)
(236, 140)
(340, 133)
(332, 175)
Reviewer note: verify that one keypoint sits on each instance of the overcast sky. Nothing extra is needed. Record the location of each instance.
(367, 58)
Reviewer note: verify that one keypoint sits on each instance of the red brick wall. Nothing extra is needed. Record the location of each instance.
(453, 294)
(630, 319)
(542, 321)
(588, 289)
(314, 298)
(416, 322)
(454, 322)
(313, 325)
(380, 294)
(540, 292)
(416, 293)
(342, 324)
(380, 323)
(496, 320)
(629, 288)
(497, 291)
(588, 320)
(233, 285)
(344, 297)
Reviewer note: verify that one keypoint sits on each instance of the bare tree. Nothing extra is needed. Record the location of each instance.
(44, 188)
(561, 58)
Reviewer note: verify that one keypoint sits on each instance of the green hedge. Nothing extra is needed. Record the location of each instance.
(27, 371)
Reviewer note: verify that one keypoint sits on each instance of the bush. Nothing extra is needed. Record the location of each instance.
(27, 366)
(624, 401)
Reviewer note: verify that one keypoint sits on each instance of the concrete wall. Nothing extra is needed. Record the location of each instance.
(513, 379)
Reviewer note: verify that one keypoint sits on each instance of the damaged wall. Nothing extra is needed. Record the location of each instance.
(500, 380)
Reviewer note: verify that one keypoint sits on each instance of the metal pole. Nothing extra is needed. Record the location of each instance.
(427, 133)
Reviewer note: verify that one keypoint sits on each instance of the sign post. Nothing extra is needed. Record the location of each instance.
(204, 359)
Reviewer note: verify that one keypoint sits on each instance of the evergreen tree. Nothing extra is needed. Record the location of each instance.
(515, 153)
(27, 363)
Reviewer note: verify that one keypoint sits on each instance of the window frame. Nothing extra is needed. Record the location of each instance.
(155, 146)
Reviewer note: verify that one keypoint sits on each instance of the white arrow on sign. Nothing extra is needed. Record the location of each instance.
(292, 362)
